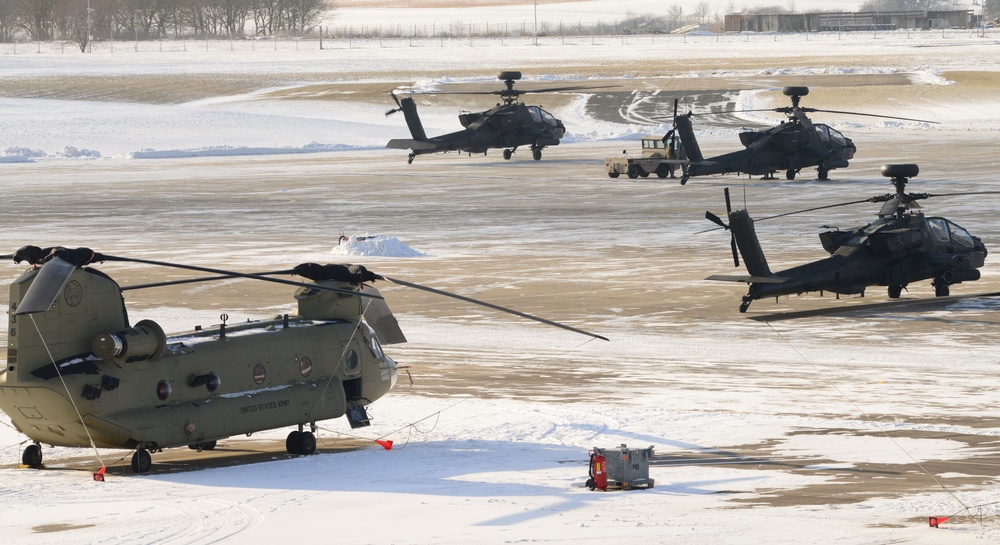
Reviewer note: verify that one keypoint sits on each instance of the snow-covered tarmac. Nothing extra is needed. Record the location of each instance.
(831, 430)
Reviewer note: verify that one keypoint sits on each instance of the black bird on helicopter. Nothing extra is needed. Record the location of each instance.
(790, 146)
(508, 125)
(901, 247)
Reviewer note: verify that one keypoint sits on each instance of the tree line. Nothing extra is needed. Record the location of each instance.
(44, 20)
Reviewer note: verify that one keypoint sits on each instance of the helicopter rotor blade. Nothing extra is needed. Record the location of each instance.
(381, 319)
(398, 107)
(237, 275)
(732, 235)
(46, 287)
(520, 91)
(494, 307)
(869, 115)
(787, 110)
(716, 220)
(200, 279)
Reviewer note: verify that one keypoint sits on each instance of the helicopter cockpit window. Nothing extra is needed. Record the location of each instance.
(375, 347)
(549, 118)
(823, 132)
(961, 236)
(535, 113)
(837, 137)
(939, 229)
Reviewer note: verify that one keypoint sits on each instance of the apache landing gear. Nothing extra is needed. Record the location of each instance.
(941, 287)
(745, 304)
(409, 158)
(507, 154)
(536, 153)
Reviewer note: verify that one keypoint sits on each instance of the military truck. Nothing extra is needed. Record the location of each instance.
(657, 158)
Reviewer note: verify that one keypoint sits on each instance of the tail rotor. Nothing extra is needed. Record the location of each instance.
(718, 221)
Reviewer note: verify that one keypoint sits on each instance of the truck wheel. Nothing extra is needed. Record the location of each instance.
(612, 174)
(633, 171)
(662, 171)
(644, 174)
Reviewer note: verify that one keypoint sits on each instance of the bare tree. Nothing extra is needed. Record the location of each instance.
(8, 20)
(702, 10)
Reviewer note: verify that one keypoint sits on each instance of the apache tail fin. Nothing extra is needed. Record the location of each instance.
(685, 131)
(741, 225)
(412, 119)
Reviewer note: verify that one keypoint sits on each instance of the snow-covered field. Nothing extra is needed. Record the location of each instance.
(837, 430)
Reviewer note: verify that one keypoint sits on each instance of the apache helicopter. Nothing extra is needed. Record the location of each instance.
(898, 248)
(790, 146)
(78, 374)
(507, 125)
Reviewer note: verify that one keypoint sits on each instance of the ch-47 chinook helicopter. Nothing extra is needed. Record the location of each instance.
(79, 374)
(899, 248)
(790, 146)
(507, 126)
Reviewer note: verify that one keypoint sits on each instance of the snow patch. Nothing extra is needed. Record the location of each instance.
(374, 246)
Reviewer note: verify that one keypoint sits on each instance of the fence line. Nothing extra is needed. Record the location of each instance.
(334, 42)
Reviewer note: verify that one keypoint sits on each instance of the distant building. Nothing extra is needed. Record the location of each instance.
(870, 20)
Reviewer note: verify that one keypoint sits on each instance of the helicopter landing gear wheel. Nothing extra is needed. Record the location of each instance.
(507, 154)
(633, 171)
(142, 462)
(292, 442)
(790, 174)
(409, 159)
(822, 174)
(941, 288)
(745, 304)
(300, 442)
(895, 290)
(32, 456)
(536, 154)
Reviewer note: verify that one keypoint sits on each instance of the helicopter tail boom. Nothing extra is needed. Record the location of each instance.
(685, 130)
(742, 228)
(409, 109)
